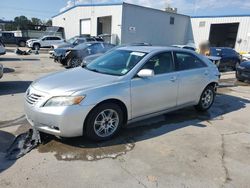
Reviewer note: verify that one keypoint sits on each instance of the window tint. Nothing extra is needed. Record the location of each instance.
(90, 39)
(99, 39)
(96, 48)
(187, 61)
(161, 63)
(171, 20)
(7, 35)
(55, 38)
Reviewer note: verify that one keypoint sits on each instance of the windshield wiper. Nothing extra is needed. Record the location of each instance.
(94, 70)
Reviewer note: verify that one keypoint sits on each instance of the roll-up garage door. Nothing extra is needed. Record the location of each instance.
(85, 27)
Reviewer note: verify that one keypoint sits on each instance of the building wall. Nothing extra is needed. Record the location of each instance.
(70, 20)
(202, 33)
(142, 24)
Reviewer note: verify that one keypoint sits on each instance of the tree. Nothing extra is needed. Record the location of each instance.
(48, 23)
(36, 21)
(22, 23)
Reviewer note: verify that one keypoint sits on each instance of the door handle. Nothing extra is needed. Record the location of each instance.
(173, 79)
(206, 73)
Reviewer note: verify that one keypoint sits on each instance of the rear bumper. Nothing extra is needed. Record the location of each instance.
(59, 121)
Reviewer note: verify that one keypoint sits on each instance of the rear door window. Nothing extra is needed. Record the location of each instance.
(186, 61)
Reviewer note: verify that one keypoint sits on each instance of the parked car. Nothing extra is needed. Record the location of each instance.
(243, 71)
(229, 57)
(44, 42)
(72, 57)
(2, 49)
(74, 41)
(10, 38)
(1, 71)
(245, 57)
(90, 58)
(122, 86)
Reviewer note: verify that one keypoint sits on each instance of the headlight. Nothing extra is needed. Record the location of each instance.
(67, 53)
(64, 101)
(240, 67)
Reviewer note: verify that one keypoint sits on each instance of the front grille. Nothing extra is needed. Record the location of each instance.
(33, 98)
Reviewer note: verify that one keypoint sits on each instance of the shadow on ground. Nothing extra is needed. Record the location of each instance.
(6, 140)
(19, 58)
(8, 70)
(13, 87)
(83, 149)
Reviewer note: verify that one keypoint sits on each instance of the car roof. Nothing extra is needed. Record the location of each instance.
(222, 48)
(149, 49)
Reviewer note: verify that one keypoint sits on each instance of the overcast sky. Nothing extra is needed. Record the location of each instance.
(45, 9)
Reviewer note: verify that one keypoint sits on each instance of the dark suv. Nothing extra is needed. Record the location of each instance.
(229, 57)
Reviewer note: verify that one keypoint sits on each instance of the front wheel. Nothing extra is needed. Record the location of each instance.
(206, 99)
(103, 122)
(36, 47)
(73, 63)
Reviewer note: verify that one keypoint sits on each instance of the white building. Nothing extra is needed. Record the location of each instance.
(127, 23)
(223, 31)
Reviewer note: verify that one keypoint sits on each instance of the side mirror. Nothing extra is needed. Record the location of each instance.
(145, 73)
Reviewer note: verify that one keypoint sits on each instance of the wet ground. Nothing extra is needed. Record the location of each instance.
(180, 149)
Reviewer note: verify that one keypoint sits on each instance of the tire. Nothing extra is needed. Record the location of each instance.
(206, 99)
(22, 44)
(238, 78)
(73, 63)
(36, 47)
(98, 127)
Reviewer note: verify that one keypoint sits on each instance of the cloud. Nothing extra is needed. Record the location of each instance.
(184, 6)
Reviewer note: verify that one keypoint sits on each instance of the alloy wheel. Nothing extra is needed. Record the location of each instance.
(207, 98)
(106, 123)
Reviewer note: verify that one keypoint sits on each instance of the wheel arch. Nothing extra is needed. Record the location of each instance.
(37, 43)
(114, 101)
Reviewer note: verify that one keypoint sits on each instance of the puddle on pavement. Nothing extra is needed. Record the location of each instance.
(82, 149)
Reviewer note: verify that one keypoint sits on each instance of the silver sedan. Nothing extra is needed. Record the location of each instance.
(123, 86)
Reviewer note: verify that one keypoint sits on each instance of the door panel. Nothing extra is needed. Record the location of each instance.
(193, 75)
(156, 93)
(191, 83)
(153, 94)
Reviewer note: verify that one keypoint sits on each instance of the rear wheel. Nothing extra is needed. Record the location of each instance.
(22, 44)
(103, 122)
(206, 99)
(238, 77)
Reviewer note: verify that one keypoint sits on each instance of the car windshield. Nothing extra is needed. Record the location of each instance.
(82, 46)
(117, 62)
(72, 40)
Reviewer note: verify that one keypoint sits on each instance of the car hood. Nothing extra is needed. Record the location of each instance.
(70, 81)
(245, 64)
(62, 51)
(32, 40)
(63, 45)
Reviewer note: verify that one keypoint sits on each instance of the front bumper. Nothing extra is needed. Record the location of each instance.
(59, 121)
(30, 45)
(243, 74)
